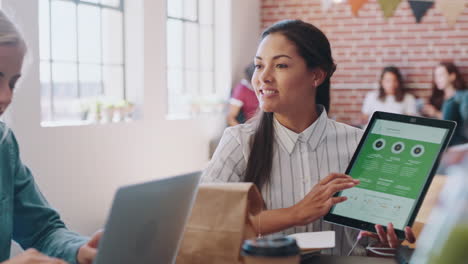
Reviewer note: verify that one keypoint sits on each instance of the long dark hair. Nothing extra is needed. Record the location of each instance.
(437, 96)
(249, 71)
(400, 91)
(314, 48)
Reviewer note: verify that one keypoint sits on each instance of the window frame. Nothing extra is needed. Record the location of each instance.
(184, 69)
(51, 120)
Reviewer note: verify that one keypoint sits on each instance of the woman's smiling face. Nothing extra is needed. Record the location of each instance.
(282, 79)
(443, 78)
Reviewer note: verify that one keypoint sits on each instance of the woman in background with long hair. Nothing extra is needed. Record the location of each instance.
(449, 100)
(391, 96)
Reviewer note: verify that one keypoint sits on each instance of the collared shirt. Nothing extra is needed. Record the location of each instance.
(372, 103)
(25, 215)
(299, 162)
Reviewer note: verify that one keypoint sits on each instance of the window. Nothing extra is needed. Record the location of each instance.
(190, 58)
(82, 59)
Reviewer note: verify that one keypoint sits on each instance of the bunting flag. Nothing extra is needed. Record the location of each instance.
(356, 5)
(451, 9)
(326, 5)
(388, 7)
(420, 7)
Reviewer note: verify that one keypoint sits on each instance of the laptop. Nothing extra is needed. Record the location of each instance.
(147, 220)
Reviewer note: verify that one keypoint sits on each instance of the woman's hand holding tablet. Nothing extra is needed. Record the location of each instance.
(395, 162)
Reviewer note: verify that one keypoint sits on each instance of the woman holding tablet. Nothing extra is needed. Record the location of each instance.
(292, 151)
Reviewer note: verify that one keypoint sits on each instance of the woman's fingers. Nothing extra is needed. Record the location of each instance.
(381, 233)
(369, 234)
(334, 188)
(410, 235)
(333, 176)
(389, 237)
(339, 199)
(392, 237)
(333, 183)
(342, 180)
(338, 185)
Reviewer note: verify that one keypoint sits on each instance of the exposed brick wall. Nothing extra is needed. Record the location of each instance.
(363, 45)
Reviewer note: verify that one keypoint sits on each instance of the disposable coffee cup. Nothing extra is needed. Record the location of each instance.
(283, 250)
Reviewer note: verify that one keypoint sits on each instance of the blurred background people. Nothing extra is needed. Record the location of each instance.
(391, 96)
(243, 103)
(450, 95)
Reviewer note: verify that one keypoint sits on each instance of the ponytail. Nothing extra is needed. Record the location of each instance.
(261, 156)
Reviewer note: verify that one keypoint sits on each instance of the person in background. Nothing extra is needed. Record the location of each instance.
(449, 87)
(433, 106)
(291, 150)
(455, 155)
(244, 103)
(25, 215)
(390, 97)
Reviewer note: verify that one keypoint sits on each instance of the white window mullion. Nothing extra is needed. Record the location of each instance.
(84, 51)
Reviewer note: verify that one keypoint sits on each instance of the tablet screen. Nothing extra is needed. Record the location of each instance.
(393, 166)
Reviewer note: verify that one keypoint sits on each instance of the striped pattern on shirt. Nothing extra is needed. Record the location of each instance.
(299, 162)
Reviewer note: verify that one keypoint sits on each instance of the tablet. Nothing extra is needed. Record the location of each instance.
(395, 162)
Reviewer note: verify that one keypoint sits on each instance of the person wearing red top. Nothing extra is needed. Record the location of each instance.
(243, 103)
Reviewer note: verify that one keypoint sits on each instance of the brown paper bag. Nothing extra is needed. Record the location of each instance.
(219, 223)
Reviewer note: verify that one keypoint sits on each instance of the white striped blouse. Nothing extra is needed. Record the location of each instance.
(299, 162)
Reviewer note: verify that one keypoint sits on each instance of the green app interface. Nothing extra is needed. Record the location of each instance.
(393, 165)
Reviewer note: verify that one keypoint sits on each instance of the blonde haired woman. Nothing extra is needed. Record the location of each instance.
(25, 215)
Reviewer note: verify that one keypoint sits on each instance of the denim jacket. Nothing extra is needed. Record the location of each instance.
(456, 109)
